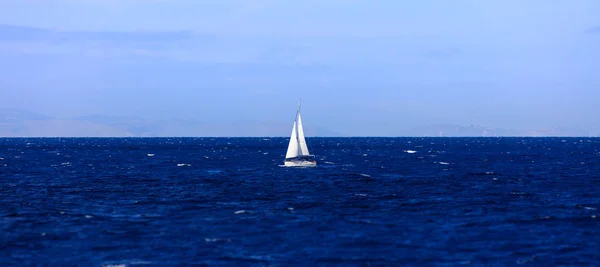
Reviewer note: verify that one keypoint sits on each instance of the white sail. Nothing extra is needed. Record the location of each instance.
(292, 150)
(297, 146)
(303, 149)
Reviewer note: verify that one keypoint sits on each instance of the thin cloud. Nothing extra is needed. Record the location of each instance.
(34, 34)
(442, 53)
(16, 39)
(593, 30)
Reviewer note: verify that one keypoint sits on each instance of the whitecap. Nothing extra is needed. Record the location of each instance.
(410, 151)
(443, 163)
(240, 212)
(150, 155)
(365, 175)
(183, 164)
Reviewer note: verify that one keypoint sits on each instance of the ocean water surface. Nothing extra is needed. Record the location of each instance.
(369, 202)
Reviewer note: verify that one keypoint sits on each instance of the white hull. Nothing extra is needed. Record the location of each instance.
(303, 163)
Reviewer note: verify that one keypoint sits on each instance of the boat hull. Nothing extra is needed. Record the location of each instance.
(300, 163)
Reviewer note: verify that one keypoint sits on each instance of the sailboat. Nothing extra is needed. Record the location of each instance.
(297, 153)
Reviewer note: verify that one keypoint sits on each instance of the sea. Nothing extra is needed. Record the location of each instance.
(368, 202)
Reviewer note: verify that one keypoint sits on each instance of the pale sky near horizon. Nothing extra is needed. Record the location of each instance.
(381, 65)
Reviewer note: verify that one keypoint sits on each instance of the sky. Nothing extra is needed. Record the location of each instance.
(360, 67)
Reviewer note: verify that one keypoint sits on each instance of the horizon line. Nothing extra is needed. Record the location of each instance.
(287, 137)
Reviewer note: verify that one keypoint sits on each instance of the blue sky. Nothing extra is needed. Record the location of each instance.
(361, 67)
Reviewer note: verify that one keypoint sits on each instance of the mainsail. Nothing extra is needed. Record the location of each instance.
(303, 151)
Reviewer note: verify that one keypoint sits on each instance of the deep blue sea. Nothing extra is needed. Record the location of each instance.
(369, 202)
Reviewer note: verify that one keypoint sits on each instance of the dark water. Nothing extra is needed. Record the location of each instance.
(203, 201)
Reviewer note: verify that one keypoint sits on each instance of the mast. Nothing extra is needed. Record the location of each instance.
(297, 126)
(302, 147)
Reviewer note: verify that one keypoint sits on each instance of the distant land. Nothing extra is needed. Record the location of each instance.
(22, 123)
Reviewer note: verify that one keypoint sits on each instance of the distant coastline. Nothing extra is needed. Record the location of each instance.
(21, 123)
